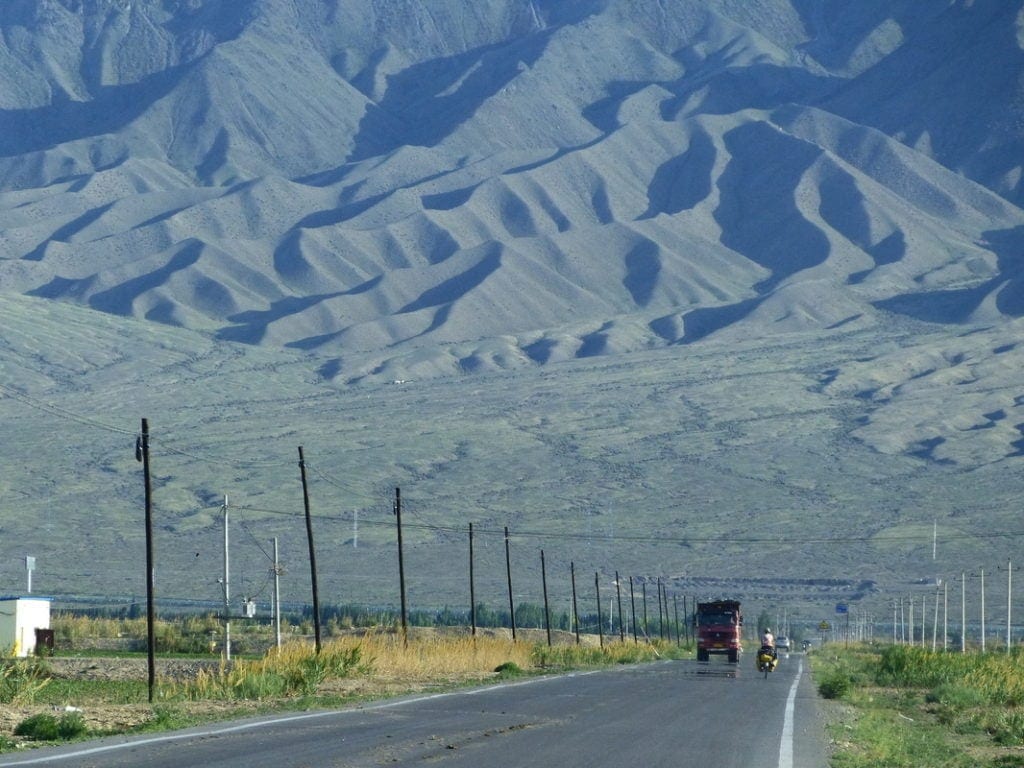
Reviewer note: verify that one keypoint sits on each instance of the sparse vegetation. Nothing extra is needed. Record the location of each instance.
(47, 727)
(909, 707)
(349, 666)
(22, 680)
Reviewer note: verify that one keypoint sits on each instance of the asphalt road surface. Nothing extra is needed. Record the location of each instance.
(672, 713)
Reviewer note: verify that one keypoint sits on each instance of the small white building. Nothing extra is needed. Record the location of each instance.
(20, 617)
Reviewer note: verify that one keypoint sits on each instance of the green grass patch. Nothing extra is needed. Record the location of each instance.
(47, 727)
(507, 670)
(904, 707)
(64, 691)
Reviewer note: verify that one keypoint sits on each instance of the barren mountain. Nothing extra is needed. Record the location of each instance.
(360, 193)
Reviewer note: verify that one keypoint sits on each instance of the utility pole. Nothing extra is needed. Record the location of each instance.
(618, 595)
(508, 573)
(632, 610)
(277, 598)
(644, 595)
(675, 613)
(911, 621)
(575, 608)
(982, 610)
(401, 567)
(1009, 602)
(963, 612)
(660, 620)
(945, 614)
(142, 454)
(227, 587)
(544, 585)
(312, 552)
(472, 586)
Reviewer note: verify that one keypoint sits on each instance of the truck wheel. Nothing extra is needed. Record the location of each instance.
(702, 655)
(734, 657)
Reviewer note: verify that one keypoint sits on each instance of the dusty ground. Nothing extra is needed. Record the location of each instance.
(100, 717)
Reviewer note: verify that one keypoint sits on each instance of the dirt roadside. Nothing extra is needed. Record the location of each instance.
(106, 718)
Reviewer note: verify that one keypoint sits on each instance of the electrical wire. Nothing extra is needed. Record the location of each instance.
(157, 438)
(648, 538)
(240, 464)
(338, 484)
(56, 410)
(256, 541)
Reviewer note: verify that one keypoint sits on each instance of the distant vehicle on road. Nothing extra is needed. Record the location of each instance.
(718, 629)
(805, 644)
(782, 643)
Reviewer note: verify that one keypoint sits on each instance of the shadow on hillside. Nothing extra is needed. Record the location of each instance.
(957, 305)
(757, 210)
(682, 182)
(434, 97)
(251, 326)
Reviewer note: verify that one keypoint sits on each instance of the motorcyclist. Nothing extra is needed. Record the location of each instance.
(768, 642)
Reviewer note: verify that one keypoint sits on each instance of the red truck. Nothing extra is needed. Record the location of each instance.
(717, 625)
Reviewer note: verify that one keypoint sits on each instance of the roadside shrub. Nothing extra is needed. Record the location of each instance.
(259, 686)
(165, 717)
(41, 727)
(306, 676)
(508, 669)
(21, 680)
(71, 725)
(902, 665)
(296, 670)
(958, 697)
(1006, 727)
(345, 662)
(46, 727)
(835, 684)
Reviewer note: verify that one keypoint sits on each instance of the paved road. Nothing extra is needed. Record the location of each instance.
(675, 713)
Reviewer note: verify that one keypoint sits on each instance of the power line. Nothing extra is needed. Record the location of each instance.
(155, 437)
(256, 541)
(646, 538)
(169, 448)
(338, 484)
(64, 413)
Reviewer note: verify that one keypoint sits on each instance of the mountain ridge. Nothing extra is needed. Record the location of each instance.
(759, 261)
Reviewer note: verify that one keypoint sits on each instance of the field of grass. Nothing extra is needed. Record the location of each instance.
(907, 707)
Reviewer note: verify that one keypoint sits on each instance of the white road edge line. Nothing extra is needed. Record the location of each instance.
(214, 731)
(786, 745)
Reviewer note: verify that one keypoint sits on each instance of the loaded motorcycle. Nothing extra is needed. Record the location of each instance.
(767, 660)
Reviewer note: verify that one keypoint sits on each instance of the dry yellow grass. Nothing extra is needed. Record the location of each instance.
(433, 655)
(380, 660)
